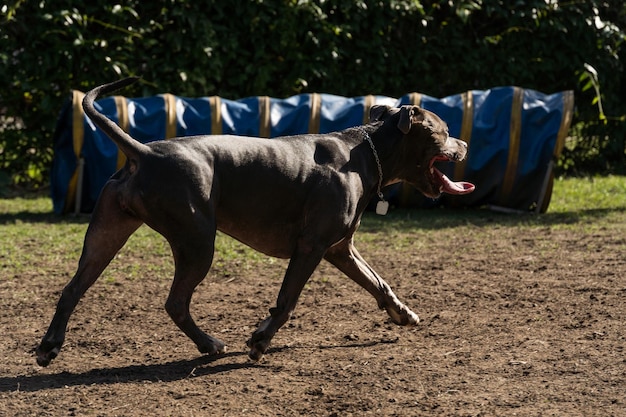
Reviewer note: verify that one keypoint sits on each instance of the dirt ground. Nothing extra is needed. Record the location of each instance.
(517, 319)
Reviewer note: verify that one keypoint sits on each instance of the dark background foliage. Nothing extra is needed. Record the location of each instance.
(242, 48)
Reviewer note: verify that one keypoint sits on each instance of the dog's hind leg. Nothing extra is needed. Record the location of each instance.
(108, 231)
(193, 255)
(348, 260)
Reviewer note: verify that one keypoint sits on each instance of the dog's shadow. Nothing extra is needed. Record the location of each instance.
(164, 372)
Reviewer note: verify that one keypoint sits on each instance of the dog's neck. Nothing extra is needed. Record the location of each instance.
(382, 205)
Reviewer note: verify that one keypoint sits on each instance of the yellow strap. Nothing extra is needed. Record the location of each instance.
(216, 115)
(466, 131)
(78, 117)
(566, 120)
(415, 99)
(514, 144)
(78, 138)
(169, 101)
(124, 122)
(315, 116)
(264, 117)
(370, 100)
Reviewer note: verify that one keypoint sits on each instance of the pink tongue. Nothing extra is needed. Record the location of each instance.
(452, 187)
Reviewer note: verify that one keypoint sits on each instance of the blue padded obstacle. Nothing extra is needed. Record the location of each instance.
(514, 136)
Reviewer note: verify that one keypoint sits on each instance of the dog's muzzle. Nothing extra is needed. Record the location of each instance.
(456, 151)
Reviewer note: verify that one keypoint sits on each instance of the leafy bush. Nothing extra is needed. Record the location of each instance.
(279, 48)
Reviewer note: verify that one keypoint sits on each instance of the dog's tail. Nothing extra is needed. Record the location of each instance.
(129, 146)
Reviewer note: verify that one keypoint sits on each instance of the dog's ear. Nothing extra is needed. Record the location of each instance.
(377, 111)
(408, 116)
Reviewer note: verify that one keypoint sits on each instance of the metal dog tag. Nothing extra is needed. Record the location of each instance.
(382, 207)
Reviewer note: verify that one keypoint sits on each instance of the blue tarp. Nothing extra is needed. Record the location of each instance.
(513, 135)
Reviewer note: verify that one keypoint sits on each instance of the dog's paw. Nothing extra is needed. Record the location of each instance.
(212, 347)
(402, 316)
(45, 356)
(258, 345)
(255, 355)
(257, 351)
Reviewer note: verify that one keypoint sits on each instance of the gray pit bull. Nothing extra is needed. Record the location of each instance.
(298, 197)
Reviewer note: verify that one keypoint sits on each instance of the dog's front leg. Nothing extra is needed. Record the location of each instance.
(348, 260)
(301, 266)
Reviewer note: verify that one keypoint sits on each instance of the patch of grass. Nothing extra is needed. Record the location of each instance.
(33, 205)
(588, 194)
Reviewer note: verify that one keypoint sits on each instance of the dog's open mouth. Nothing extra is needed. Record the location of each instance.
(444, 184)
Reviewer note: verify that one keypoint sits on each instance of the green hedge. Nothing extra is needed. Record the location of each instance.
(242, 48)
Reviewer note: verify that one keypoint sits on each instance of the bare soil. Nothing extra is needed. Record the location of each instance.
(517, 319)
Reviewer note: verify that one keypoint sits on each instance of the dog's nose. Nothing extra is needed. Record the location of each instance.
(460, 149)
